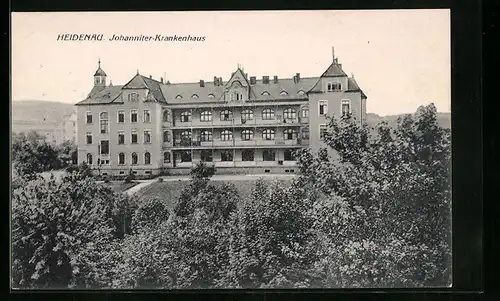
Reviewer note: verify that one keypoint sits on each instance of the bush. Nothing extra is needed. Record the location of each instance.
(130, 177)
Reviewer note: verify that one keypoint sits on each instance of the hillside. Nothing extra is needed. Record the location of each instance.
(444, 119)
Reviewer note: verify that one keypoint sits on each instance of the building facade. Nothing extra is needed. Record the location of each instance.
(66, 129)
(243, 125)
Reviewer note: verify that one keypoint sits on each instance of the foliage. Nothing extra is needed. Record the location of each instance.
(149, 215)
(130, 177)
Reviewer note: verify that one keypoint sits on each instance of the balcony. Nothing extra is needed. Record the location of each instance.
(239, 143)
(237, 122)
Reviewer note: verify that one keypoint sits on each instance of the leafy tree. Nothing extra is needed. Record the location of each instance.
(149, 215)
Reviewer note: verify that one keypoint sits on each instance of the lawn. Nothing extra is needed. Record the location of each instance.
(121, 186)
(171, 190)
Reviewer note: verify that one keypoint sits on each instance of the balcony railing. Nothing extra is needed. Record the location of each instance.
(238, 122)
(239, 143)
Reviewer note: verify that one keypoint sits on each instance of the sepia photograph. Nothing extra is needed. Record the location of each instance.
(231, 150)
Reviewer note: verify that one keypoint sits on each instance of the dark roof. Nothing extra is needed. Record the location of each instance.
(142, 82)
(110, 94)
(334, 70)
(100, 72)
(352, 86)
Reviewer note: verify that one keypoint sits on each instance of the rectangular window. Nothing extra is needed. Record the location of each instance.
(323, 107)
(147, 116)
(88, 120)
(121, 138)
(206, 156)
(121, 116)
(269, 155)
(288, 155)
(226, 155)
(133, 137)
(133, 116)
(89, 138)
(104, 147)
(322, 131)
(104, 126)
(186, 156)
(346, 107)
(147, 136)
(247, 155)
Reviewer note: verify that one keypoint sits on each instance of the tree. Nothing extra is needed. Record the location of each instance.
(149, 215)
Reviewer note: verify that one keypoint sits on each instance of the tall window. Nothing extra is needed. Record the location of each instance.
(290, 134)
(121, 137)
(226, 155)
(268, 155)
(147, 116)
(268, 134)
(186, 156)
(206, 156)
(289, 113)
(304, 112)
(166, 136)
(89, 159)
(226, 135)
(246, 115)
(133, 97)
(89, 138)
(121, 158)
(104, 147)
(346, 107)
(247, 155)
(104, 122)
(288, 155)
(166, 116)
(133, 137)
(147, 158)
(186, 116)
(330, 87)
(226, 115)
(166, 157)
(186, 136)
(247, 135)
(305, 133)
(135, 159)
(323, 107)
(206, 116)
(133, 116)
(121, 116)
(267, 114)
(88, 119)
(322, 131)
(206, 136)
(147, 136)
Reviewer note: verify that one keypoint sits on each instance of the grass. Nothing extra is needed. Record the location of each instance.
(121, 186)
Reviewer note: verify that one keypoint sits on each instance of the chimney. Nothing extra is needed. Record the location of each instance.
(296, 78)
(215, 80)
(265, 79)
(275, 79)
(168, 82)
(253, 80)
(161, 80)
(340, 66)
(150, 77)
(246, 75)
(220, 81)
(202, 83)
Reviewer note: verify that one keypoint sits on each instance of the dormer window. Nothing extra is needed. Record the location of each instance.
(178, 97)
(194, 96)
(265, 93)
(283, 93)
(211, 96)
(332, 87)
(301, 92)
(133, 97)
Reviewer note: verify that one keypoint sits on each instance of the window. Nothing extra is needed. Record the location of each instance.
(226, 135)
(121, 116)
(247, 155)
(88, 120)
(265, 93)
(133, 116)
(104, 147)
(133, 137)
(206, 156)
(323, 107)
(322, 131)
(247, 135)
(288, 155)
(186, 136)
(121, 138)
(305, 133)
(134, 159)
(206, 116)
(290, 134)
(304, 112)
(330, 87)
(147, 116)
(206, 136)
(194, 96)
(268, 134)
(147, 136)
(89, 159)
(268, 155)
(211, 96)
(186, 116)
(246, 115)
(166, 116)
(289, 113)
(147, 158)
(166, 136)
(133, 97)
(301, 92)
(178, 97)
(89, 138)
(267, 114)
(121, 158)
(104, 122)
(186, 156)
(226, 155)
(346, 107)
(226, 115)
(166, 157)
(283, 93)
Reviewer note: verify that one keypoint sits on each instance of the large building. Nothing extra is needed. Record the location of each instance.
(242, 125)
(66, 129)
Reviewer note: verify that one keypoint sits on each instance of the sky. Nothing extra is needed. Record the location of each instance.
(400, 58)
